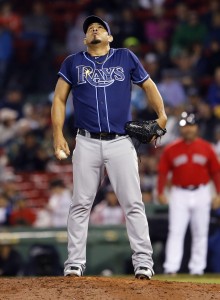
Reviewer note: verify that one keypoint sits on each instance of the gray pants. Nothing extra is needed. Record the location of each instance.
(119, 158)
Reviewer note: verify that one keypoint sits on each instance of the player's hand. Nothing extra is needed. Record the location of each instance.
(216, 202)
(162, 199)
(60, 144)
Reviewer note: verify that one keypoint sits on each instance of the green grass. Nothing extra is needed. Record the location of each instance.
(207, 278)
(213, 278)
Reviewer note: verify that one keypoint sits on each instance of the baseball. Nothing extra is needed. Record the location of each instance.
(62, 154)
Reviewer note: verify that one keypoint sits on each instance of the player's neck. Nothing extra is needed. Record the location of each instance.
(97, 51)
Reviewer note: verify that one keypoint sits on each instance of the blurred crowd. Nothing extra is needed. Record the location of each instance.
(178, 42)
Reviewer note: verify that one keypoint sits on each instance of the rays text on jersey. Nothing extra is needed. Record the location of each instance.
(99, 77)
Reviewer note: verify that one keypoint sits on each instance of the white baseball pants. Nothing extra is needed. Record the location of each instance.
(186, 207)
(119, 158)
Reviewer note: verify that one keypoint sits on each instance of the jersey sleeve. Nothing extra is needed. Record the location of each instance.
(214, 169)
(214, 165)
(138, 73)
(66, 69)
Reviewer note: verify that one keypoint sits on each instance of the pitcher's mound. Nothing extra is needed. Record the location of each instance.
(102, 288)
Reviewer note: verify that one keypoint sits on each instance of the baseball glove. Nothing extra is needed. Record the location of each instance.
(144, 131)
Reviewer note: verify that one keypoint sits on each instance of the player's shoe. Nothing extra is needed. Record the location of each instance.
(73, 271)
(196, 273)
(143, 273)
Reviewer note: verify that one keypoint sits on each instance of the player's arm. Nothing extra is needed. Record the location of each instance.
(58, 113)
(155, 100)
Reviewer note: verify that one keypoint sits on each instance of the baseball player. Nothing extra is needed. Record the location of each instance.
(192, 163)
(100, 80)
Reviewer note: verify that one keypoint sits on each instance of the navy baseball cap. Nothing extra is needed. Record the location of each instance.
(187, 119)
(94, 19)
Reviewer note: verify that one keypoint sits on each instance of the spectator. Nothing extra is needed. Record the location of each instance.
(128, 26)
(31, 115)
(194, 99)
(181, 14)
(4, 210)
(185, 71)
(212, 8)
(11, 261)
(213, 96)
(148, 177)
(6, 52)
(55, 212)
(187, 34)
(146, 114)
(172, 121)
(21, 214)
(99, 8)
(138, 100)
(161, 48)
(7, 125)
(207, 120)
(108, 211)
(14, 99)
(147, 195)
(36, 118)
(198, 61)
(213, 57)
(59, 203)
(153, 66)
(75, 36)
(158, 26)
(37, 28)
(43, 218)
(214, 247)
(29, 155)
(43, 260)
(214, 31)
(149, 4)
(133, 44)
(3, 164)
(9, 189)
(11, 20)
(171, 89)
(192, 164)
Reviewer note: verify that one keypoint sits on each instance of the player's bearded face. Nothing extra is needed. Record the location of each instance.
(96, 33)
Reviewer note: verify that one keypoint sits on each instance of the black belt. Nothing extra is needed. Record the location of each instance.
(189, 187)
(106, 136)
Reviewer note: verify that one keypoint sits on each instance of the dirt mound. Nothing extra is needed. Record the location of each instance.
(101, 288)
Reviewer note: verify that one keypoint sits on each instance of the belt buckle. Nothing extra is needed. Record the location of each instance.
(192, 187)
(103, 135)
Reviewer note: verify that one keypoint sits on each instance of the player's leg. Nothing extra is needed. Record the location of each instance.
(199, 228)
(122, 168)
(178, 220)
(86, 178)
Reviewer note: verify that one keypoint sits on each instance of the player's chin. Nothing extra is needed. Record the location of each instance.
(95, 41)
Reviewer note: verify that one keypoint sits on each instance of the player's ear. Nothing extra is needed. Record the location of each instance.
(85, 41)
(110, 38)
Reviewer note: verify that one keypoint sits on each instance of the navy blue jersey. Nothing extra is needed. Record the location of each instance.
(102, 92)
